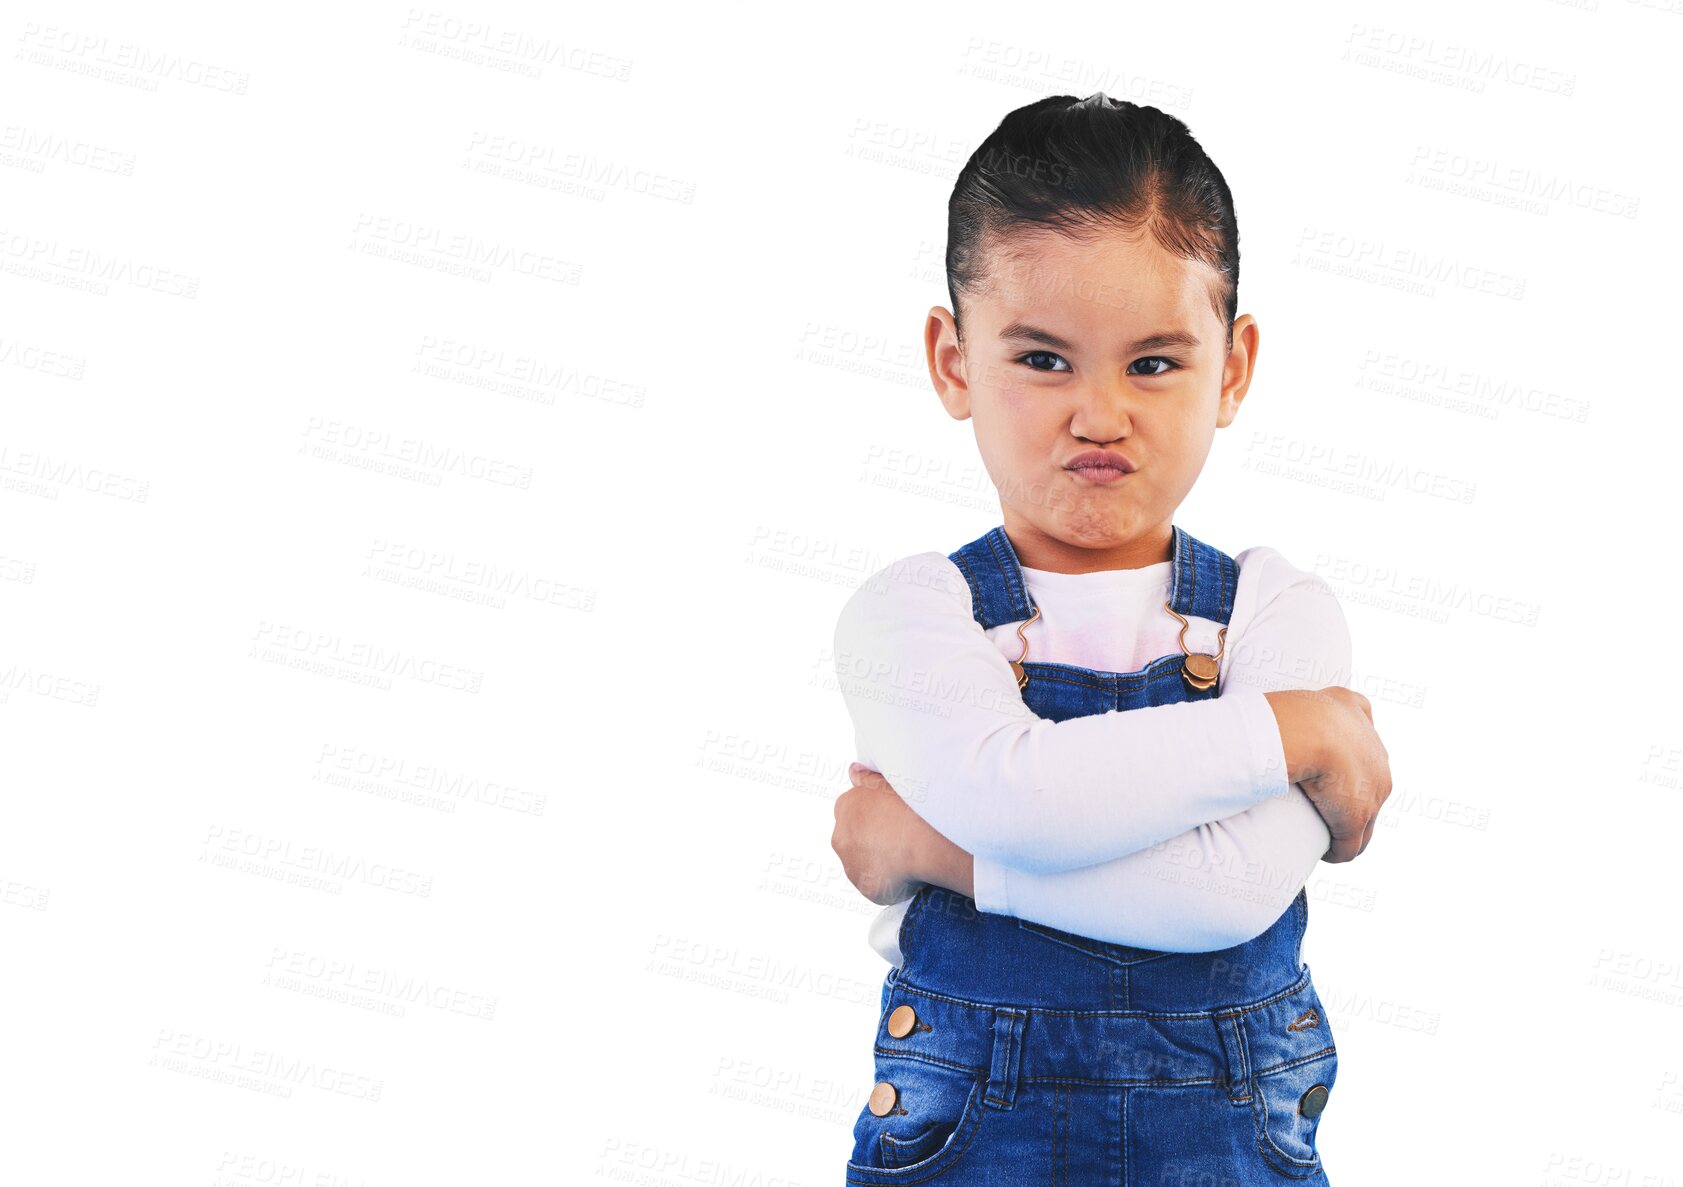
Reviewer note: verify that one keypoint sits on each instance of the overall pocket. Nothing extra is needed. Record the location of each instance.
(1288, 1102)
(932, 1116)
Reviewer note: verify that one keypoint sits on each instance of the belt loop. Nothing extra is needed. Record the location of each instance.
(1230, 1028)
(1007, 1057)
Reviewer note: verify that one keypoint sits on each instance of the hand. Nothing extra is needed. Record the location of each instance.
(886, 849)
(1334, 754)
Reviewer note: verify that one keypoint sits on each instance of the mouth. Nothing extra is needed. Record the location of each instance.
(1100, 474)
(1100, 465)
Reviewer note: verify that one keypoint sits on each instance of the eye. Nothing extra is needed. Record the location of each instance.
(1168, 365)
(1044, 354)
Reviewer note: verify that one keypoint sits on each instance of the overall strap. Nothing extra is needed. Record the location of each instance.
(1204, 580)
(1202, 584)
(990, 566)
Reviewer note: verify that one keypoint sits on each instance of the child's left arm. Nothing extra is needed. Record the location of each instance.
(1212, 887)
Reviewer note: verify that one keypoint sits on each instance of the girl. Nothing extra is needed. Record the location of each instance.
(1094, 772)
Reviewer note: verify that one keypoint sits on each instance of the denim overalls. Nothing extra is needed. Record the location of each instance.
(1010, 1053)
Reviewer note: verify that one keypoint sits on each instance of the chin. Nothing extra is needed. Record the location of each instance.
(1095, 524)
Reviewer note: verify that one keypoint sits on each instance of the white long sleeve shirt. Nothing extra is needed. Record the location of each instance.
(1170, 827)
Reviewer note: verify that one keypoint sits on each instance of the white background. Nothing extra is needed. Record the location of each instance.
(415, 685)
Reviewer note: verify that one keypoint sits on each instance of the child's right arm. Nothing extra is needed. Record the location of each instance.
(1228, 880)
(937, 710)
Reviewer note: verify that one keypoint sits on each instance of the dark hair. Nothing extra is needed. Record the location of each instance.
(1081, 166)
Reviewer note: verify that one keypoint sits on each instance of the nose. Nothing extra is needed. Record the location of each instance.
(1102, 411)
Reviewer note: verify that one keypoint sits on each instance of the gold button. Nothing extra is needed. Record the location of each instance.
(901, 1021)
(882, 1098)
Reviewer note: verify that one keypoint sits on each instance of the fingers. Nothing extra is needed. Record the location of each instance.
(1351, 695)
(1366, 837)
(1367, 834)
(1348, 844)
(865, 777)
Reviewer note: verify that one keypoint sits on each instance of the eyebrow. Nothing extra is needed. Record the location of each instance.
(1159, 341)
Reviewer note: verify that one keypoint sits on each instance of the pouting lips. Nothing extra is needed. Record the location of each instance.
(1101, 458)
(1100, 473)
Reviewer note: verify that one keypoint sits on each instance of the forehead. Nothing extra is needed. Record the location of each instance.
(1105, 280)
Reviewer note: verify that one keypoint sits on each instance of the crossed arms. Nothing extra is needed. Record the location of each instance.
(1174, 827)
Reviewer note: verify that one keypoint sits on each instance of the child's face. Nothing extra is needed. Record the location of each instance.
(1109, 381)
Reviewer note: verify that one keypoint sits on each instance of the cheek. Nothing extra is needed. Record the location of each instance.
(1183, 423)
(1032, 409)
(1011, 395)
(1011, 415)
(1188, 441)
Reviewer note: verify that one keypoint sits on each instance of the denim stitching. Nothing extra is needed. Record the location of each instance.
(1192, 577)
(1270, 1149)
(991, 551)
(1270, 1152)
(1011, 568)
(924, 1057)
(969, 1124)
(959, 560)
(889, 1141)
(1094, 678)
(1242, 1045)
(1235, 1058)
(999, 544)
(1297, 1060)
(1126, 1098)
(1125, 1082)
(1169, 1015)
(1264, 1140)
(977, 1069)
(1011, 1039)
(1176, 576)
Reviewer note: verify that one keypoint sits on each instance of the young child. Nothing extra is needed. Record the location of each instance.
(1093, 772)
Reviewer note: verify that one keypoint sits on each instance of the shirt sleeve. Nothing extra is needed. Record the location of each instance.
(1226, 881)
(936, 709)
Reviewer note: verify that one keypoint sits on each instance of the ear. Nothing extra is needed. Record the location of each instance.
(1236, 374)
(946, 363)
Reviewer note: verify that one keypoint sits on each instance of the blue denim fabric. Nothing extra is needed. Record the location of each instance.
(1042, 1057)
